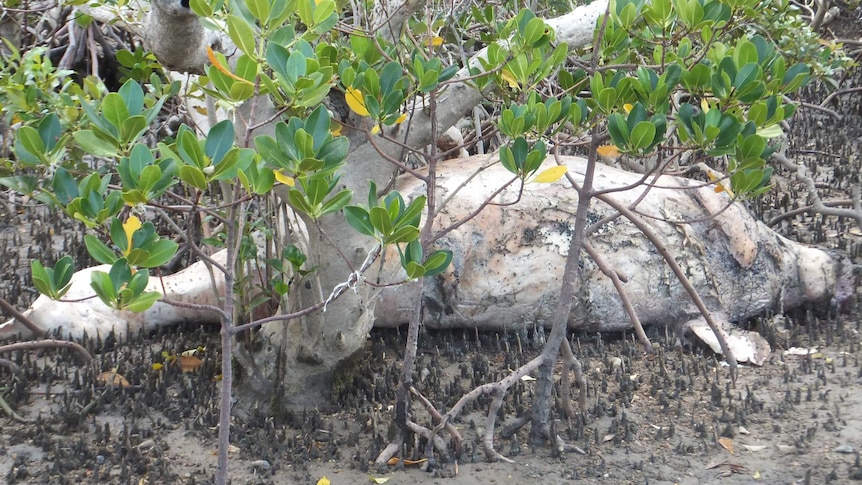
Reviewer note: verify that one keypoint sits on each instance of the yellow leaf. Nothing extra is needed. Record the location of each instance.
(379, 480)
(158, 366)
(550, 175)
(323, 481)
(285, 179)
(131, 225)
(507, 76)
(756, 475)
(375, 130)
(704, 105)
(356, 101)
(608, 151)
(335, 130)
(628, 108)
(435, 41)
(401, 119)
(218, 65)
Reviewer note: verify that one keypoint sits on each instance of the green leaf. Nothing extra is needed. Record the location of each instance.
(133, 97)
(618, 129)
(437, 262)
(414, 270)
(104, 288)
(381, 221)
(336, 203)
(31, 141)
(259, 8)
(138, 283)
(242, 34)
(507, 159)
(358, 219)
(403, 234)
(65, 187)
(160, 253)
(322, 10)
(120, 273)
(193, 176)
(114, 109)
(43, 282)
(50, 131)
(642, 135)
(190, 149)
(149, 177)
(520, 149)
(219, 140)
(413, 213)
(94, 145)
(143, 302)
(317, 125)
(64, 268)
(300, 203)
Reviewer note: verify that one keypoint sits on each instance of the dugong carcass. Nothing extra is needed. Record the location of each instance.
(508, 261)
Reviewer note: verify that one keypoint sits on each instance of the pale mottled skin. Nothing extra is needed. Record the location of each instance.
(506, 269)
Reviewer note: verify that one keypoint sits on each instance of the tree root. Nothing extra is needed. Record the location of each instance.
(48, 344)
(441, 422)
(8, 308)
(801, 174)
(498, 390)
(571, 363)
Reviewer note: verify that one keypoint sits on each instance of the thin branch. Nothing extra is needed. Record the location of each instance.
(621, 291)
(647, 231)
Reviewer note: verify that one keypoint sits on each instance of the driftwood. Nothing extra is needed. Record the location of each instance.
(507, 262)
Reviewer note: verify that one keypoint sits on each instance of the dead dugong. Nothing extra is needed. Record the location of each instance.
(508, 262)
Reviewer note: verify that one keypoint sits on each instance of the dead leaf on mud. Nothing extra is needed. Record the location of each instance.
(112, 378)
(726, 443)
(323, 481)
(189, 363)
(803, 352)
(394, 461)
(231, 449)
(608, 437)
(754, 448)
(379, 479)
